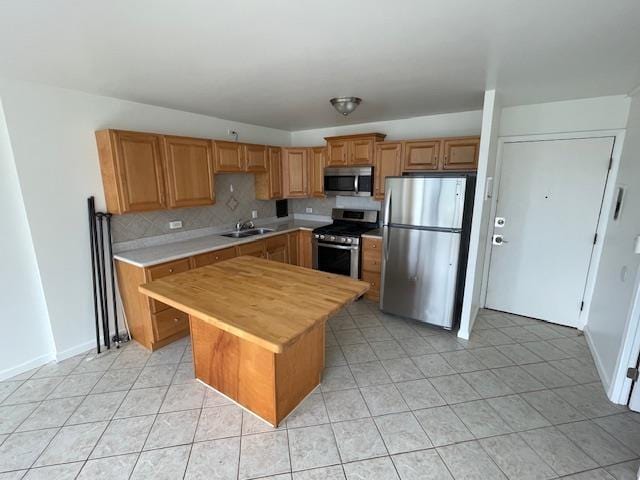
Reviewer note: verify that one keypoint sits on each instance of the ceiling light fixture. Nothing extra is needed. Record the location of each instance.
(345, 105)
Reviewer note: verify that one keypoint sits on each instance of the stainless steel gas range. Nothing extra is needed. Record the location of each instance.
(336, 247)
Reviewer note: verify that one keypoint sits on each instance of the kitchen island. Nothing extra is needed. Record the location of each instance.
(257, 327)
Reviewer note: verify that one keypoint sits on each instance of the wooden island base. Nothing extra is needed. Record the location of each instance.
(268, 384)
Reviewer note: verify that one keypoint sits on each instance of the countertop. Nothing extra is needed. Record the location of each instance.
(377, 233)
(148, 256)
(267, 303)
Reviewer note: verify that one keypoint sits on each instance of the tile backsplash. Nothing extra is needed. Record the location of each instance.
(228, 209)
(323, 206)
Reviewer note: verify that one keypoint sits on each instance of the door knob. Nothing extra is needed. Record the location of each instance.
(498, 240)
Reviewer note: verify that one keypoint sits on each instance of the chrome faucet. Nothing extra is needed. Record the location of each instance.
(243, 225)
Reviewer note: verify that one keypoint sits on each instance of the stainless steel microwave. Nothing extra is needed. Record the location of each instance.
(349, 181)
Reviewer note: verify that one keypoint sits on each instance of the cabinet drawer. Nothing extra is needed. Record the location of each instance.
(371, 244)
(213, 257)
(169, 322)
(374, 279)
(371, 260)
(164, 270)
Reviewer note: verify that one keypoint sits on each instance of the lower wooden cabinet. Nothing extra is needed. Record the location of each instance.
(371, 265)
(210, 258)
(305, 246)
(277, 248)
(255, 249)
(293, 239)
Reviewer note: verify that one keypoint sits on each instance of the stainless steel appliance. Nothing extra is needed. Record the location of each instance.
(349, 181)
(336, 247)
(425, 238)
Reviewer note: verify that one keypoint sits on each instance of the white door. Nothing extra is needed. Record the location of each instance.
(549, 198)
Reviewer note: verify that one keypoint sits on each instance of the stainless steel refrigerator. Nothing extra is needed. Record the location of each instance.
(425, 239)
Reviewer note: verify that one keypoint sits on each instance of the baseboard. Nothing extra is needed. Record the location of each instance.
(604, 378)
(26, 366)
(75, 350)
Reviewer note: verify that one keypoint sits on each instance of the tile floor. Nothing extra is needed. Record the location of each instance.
(399, 400)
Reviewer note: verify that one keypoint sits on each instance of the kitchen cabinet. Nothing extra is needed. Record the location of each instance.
(295, 172)
(316, 164)
(348, 150)
(255, 249)
(268, 185)
(293, 239)
(371, 265)
(255, 157)
(388, 164)
(210, 258)
(188, 171)
(132, 170)
(305, 249)
(228, 157)
(460, 153)
(421, 155)
(277, 248)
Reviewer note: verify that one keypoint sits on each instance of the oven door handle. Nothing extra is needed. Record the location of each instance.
(337, 247)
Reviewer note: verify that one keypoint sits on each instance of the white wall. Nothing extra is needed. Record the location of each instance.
(26, 339)
(52, 134)
(481, 212)
(617, 279)
(449, 124)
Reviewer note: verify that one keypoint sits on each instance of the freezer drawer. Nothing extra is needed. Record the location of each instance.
(419, 270)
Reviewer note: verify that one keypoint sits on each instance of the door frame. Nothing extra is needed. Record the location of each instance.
(605, 210)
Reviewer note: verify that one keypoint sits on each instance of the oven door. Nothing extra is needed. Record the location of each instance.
(339, 259)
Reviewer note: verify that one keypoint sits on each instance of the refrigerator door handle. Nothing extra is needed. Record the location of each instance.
(385, 242)
(387, 209)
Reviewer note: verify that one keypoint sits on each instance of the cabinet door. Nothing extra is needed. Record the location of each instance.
(293, 248)
(361, 152)
(277, 248)
(337, 153)
(460, 153)
(304, 249)
(388, 164)
(275, 172)
(189, 172)
(255, 158)
(317, 162)
(295, 172)
(139, 171)
(255, 249)
(228, 157)
(421, 155)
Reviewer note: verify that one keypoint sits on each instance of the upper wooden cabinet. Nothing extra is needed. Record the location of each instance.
(255, 157)
(269, 184)
(460, 153)
(295, 172)
(132, 170)
(421, 155)
(352, 149)
(388, 164)
(189, 171)
(228, 157)
(316, 163)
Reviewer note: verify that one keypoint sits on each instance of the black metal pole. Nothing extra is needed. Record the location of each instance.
(92, 234)
(103, 282)
(116, 336)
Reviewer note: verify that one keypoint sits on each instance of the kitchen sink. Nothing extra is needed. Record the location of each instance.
(247, 233)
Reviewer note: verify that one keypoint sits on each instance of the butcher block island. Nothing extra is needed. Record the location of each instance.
(257, 327)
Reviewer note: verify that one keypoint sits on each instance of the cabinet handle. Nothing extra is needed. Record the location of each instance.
(171, 270)
(176, 320)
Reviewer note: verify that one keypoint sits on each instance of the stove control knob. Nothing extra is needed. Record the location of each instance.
(317, 236)
(321, 237)
(349, 240)
(333, 239)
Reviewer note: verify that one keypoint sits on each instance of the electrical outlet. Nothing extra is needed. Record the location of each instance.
(231, 187)
(254, 213)
(175, 224)
(308, 210)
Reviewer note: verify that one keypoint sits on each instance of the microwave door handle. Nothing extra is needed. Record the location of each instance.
(355, 184)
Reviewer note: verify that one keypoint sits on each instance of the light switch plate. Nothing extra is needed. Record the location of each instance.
(254, 213)
(175, 224)
(308, 210)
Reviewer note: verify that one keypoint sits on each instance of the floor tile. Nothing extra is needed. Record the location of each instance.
(214, 460)
(443, 426)
(311, 411)
(11, 416)
(462, 361)
(378, 468)
(552, 407)
(96, 362)
(443, 342)
(112, 468)
(145, 401)
(383, 399)
(166, 356)
(96, 408)
(21, 450)
(454, 389)
(183, 397)
(213, 398)
(420, 394)
(219, 422)
(547, 375)
(545, 350)
(369, 373)
(576, 370)
(558, 451)
(185, 374)
(516, 459)
(597, 443)
(163, 464)
(491, 337)
(402, 369)
(155, 376)
(469, 461)
(375, 334)
(334, 357)
(358, 353)
(116, 380)
(597, 474)
(126, 435)
(76, 385)
(253, 424)
(401, 433)
(570, 346)
(590, 400)
(345, 405)
(171, 429)
(623, 428)
(358, 440)
(33, 390)
(423, 465)
(415, 346)
(351, 336)
(264, 454)
(481, 419)
(325, 473)
(58, 369)
(487, 384)
(337, 378)
(625, 471)
(521, 334)
(7, 388)
(51, 413)
(312, 447)
(543, 331)
(433, 365)
(366, 321)
(72, 444)
(491, 357)
(131, 359)
(517, 413)
(518, 379)
(518, 354)
(67, 471)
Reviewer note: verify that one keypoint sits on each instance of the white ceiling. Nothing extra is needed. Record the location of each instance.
(277, 62)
